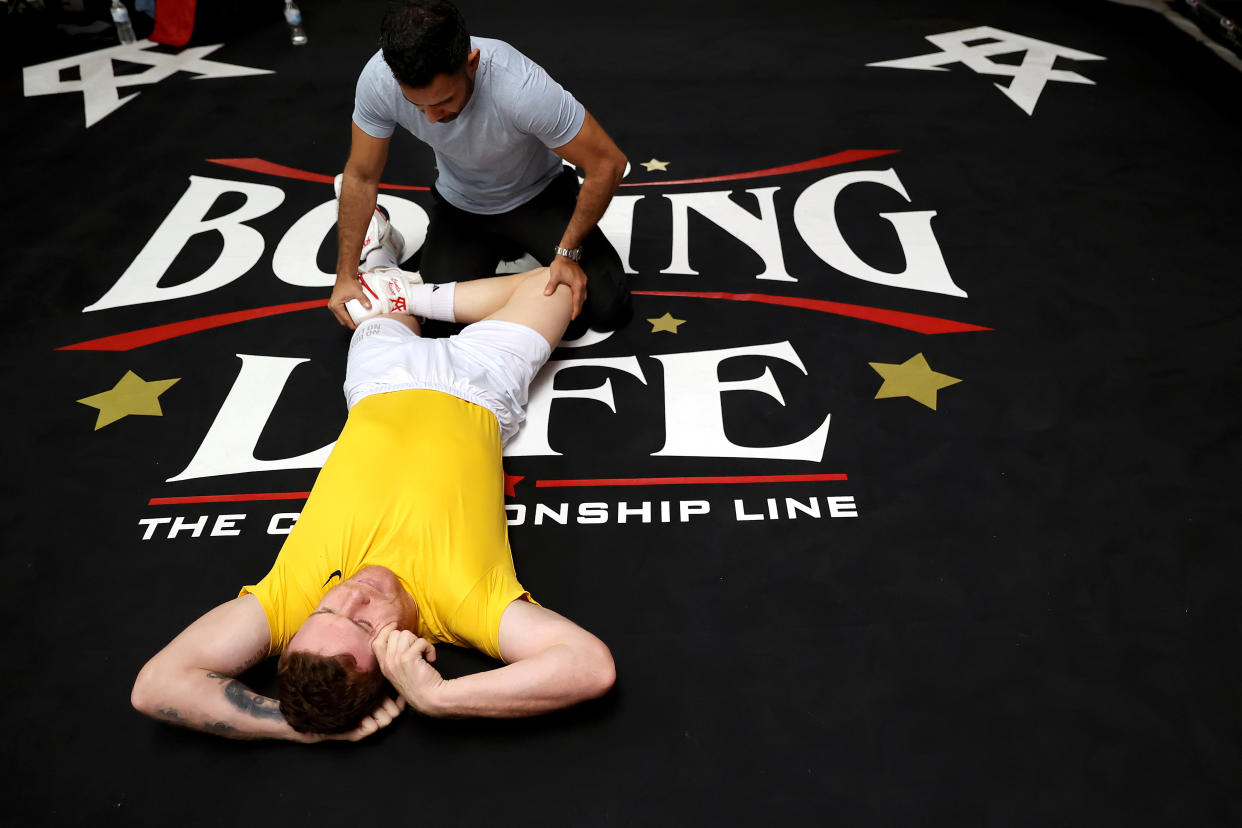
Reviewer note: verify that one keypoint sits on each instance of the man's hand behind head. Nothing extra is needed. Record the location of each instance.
(325, 694)
(377, 720)
(405, 660)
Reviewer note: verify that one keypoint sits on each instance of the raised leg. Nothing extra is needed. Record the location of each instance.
(516, 298)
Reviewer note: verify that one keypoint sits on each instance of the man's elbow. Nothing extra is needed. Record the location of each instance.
(359, 175)
(607, 167)
(617, 166)
(600, 672)
(145, 695)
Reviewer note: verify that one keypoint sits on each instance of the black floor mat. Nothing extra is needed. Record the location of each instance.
(908, 497)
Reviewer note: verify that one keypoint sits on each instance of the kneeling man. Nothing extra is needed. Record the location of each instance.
(402, 544)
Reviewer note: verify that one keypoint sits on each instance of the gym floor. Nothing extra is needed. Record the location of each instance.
(909, 496)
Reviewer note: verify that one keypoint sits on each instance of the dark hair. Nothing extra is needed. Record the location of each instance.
(422, 39)
(325, 694)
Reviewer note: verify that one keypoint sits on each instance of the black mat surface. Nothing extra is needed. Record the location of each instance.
(1032, 619)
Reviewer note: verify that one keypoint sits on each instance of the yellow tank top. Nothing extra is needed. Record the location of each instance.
(414, 484)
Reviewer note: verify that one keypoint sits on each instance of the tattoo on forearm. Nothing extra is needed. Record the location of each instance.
(227, 730)
(247, 701)
(250, 703)
(173, 716)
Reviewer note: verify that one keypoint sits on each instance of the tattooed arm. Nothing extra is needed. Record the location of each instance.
(191, 681)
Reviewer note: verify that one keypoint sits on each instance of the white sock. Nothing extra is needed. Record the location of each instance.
(433, 301)
(379, 257)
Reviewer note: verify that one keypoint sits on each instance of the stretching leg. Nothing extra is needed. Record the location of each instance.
(548, 315)
(514, 298)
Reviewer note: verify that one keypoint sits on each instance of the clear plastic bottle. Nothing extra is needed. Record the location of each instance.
(293, 16)
(120, 16)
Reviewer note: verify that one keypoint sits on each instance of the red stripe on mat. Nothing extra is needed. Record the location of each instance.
(684, 481)
(258, 165)
(846, 157)
(233, 498)
(897, 319)
(543, 484)
(148, 336)
(263, 167)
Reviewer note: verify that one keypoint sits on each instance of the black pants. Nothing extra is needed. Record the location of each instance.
(461, 246)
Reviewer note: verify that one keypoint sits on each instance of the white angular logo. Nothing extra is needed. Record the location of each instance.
(975, 48)
(99, 84)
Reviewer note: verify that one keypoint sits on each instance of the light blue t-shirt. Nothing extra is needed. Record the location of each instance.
(497, 153)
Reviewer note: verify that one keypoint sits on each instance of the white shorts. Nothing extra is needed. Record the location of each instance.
(490, 363)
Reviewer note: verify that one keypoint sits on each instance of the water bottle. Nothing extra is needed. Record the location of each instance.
(120, 16)
(293, 16)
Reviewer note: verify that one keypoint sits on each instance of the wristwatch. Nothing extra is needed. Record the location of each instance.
(574, 254)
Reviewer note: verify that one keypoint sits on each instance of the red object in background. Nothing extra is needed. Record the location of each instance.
(174, 22)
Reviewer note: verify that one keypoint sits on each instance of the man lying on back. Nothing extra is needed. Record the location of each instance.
(402, 543)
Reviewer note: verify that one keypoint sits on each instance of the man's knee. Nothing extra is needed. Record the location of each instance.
(531, 306)
(608, 304)
(456, 252)
(457, 264)
(531, 291)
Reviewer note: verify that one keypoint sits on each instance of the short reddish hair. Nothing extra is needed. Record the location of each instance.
(326, 694)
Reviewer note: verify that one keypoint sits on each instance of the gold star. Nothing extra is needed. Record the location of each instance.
(913, 378)
(667, 322)
(653, 165)
(132, 395)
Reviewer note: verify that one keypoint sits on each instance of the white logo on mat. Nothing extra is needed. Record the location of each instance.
(975, 48)
(99, 84)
